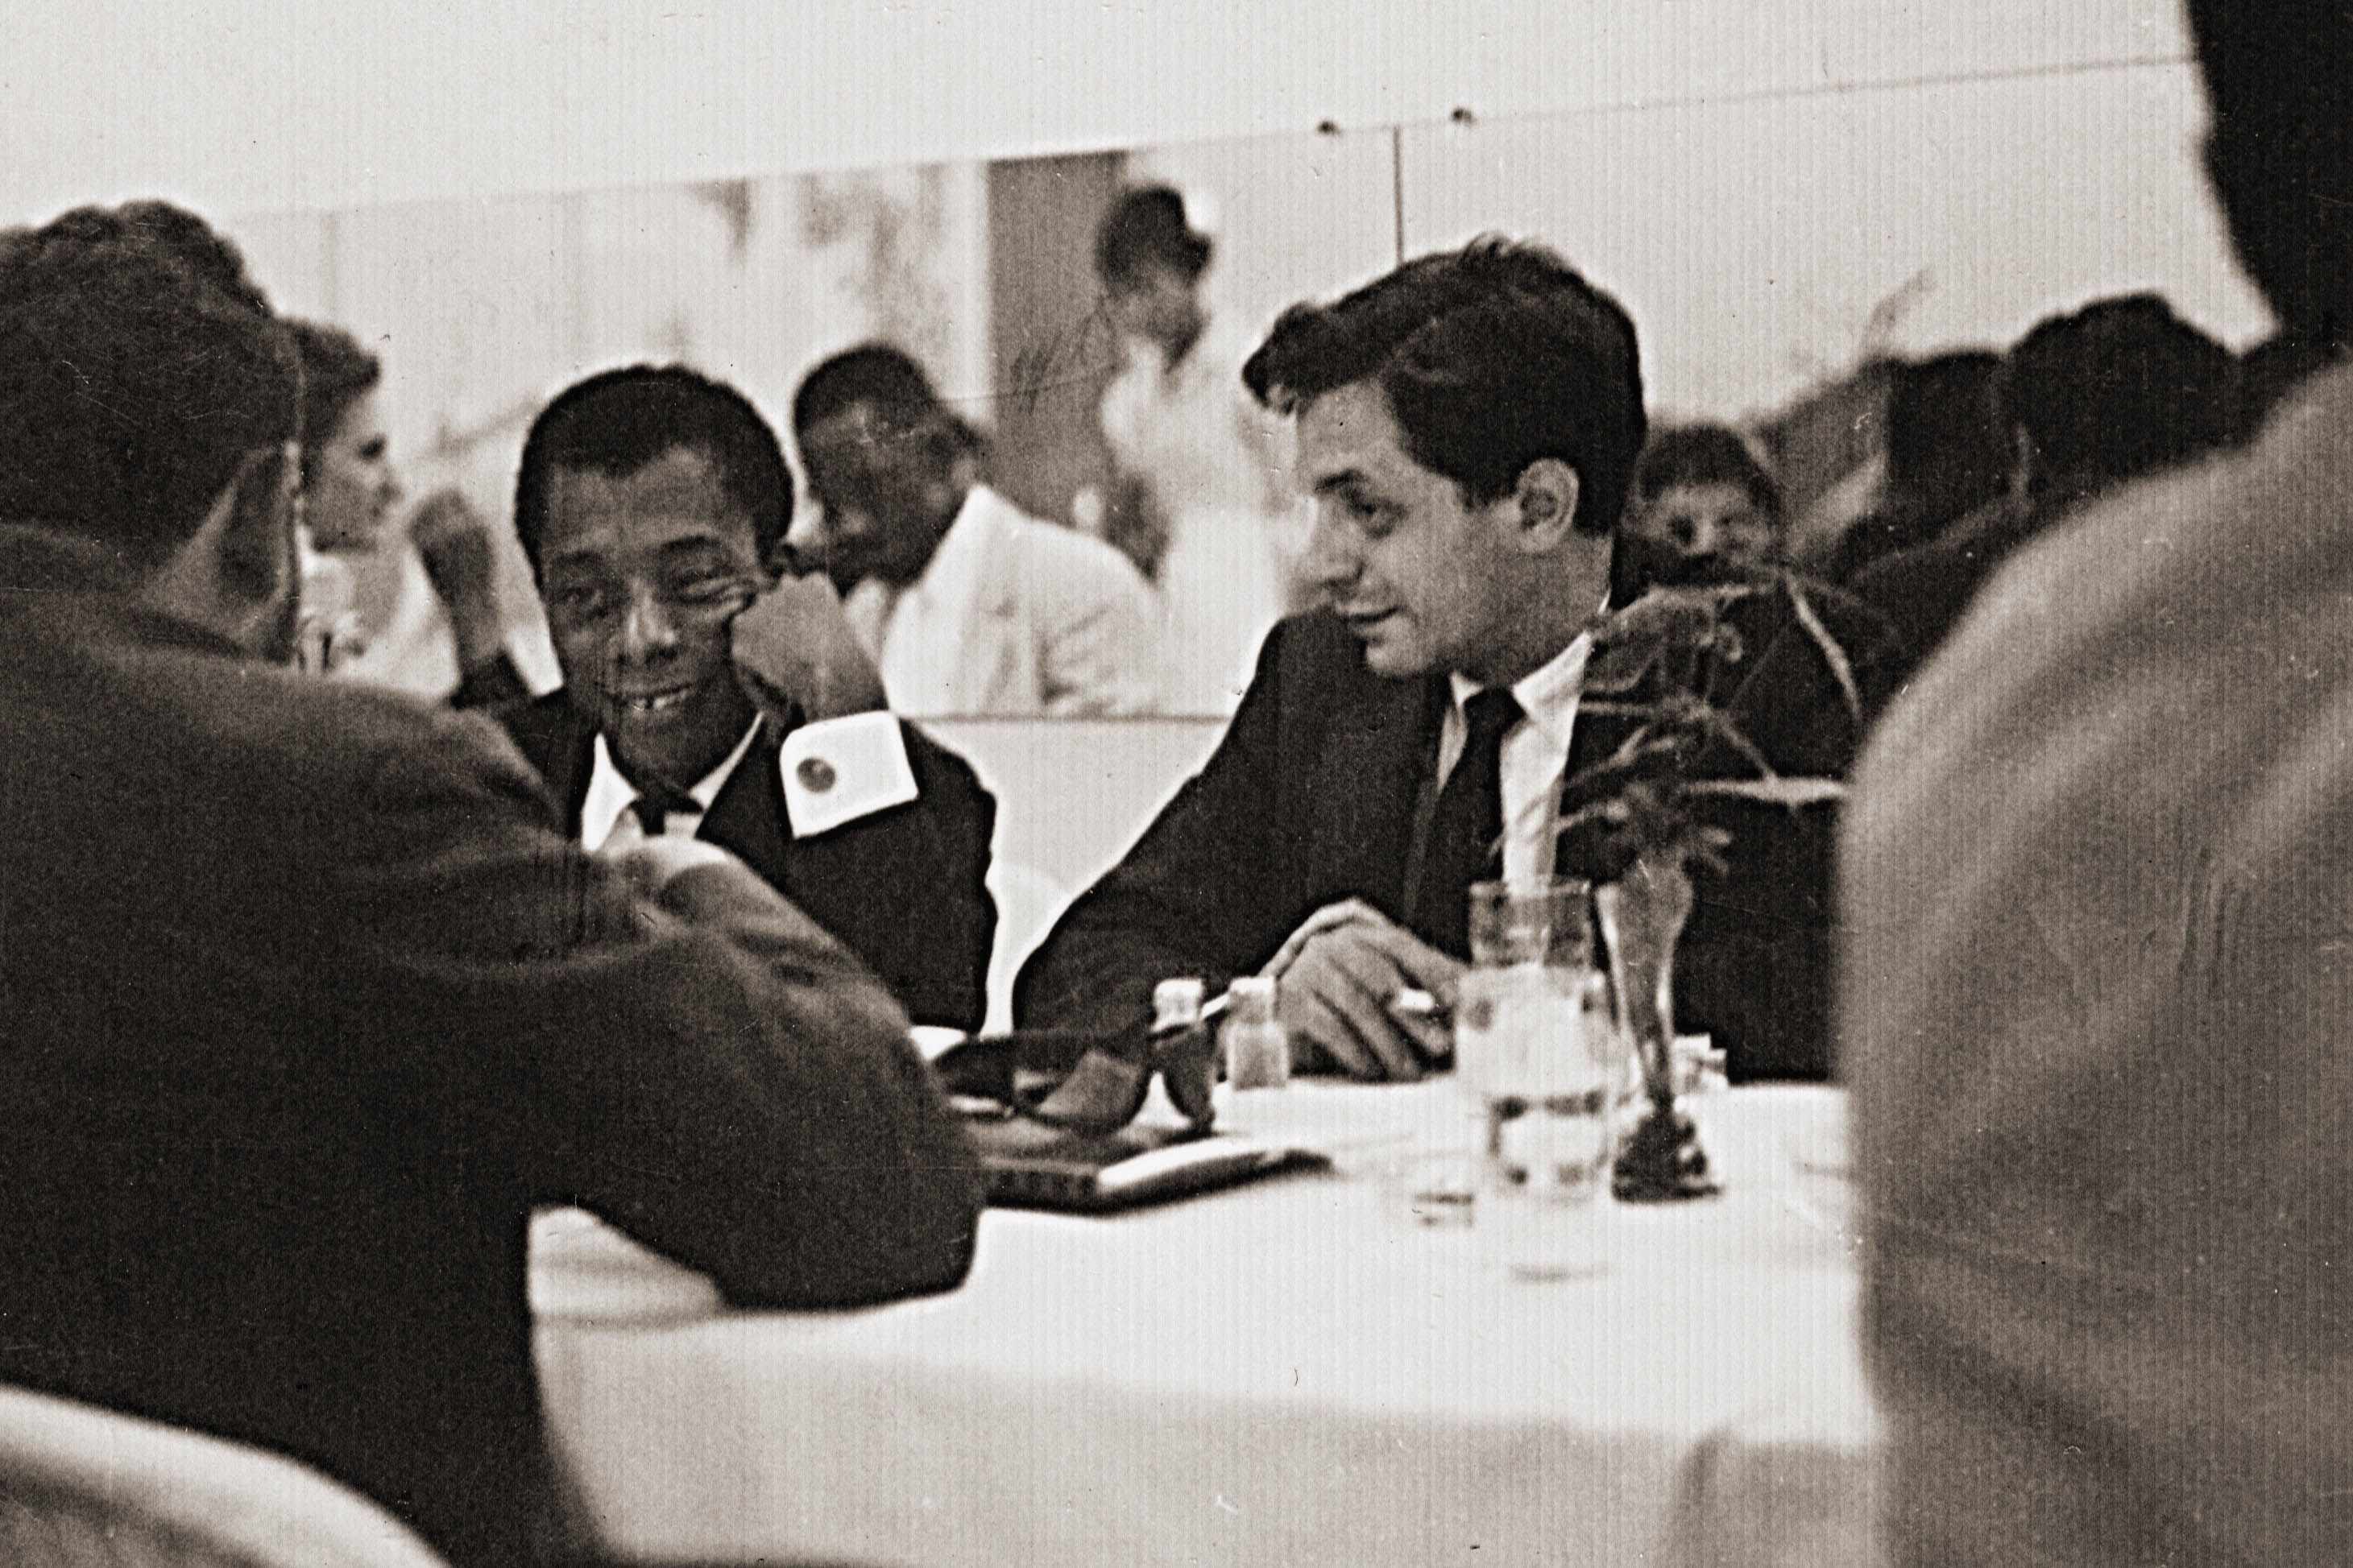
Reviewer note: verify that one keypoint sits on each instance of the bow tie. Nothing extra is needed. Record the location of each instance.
(656, 806)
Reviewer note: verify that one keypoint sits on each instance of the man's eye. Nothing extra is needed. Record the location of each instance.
(714, 588)
(1374, 518)
(579, 600)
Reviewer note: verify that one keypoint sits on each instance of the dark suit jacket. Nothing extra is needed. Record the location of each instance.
(304, 1004)
(1311, 797)
(906, 889)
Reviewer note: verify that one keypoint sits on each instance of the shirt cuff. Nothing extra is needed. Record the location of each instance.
(837, 771)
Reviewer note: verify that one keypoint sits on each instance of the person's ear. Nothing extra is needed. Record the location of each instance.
(2023, 461)
(1544, 505)
(256, 519)
(237, 574)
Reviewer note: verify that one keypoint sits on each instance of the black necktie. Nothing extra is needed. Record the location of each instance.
(657, 806)
(1462, 846)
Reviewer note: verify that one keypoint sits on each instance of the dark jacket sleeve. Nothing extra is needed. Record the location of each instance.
(907, 889)
(709, 1071)
(1208, 890)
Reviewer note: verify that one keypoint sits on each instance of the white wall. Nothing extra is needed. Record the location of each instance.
(246, 106)
(1763, 243)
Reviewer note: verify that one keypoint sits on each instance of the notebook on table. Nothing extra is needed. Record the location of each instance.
(1045, 1155)
(1029, 1165)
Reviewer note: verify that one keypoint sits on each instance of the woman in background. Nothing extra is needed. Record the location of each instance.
(349, 490)
(1179, 421)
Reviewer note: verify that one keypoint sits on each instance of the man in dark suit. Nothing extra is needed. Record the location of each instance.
(303, 1001)
(706, 698)
(1468, 426)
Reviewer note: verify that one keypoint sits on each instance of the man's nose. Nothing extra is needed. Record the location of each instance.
(1331, 560)
(647, 629)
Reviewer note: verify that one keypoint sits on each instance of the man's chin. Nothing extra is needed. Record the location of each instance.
(672, 737)
(1393, 658)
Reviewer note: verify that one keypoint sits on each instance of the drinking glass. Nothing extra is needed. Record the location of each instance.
(1538, 1048)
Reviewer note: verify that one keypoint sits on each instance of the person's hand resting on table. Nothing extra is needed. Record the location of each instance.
(1336, 977)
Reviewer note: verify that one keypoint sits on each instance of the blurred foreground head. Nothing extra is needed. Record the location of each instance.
(2279, 81)
(139, 373)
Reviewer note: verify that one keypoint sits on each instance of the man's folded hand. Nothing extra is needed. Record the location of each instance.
(1337, 976)
(651, 864)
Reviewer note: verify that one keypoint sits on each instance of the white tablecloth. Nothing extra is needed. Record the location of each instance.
(1290, 1374)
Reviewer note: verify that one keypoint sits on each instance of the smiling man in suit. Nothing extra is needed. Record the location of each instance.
(1468, 426)
(705, 696)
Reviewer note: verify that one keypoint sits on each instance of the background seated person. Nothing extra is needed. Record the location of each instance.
(2093, 399)
(1703, 495)
(1948, 452)
(1468, 426)
(968, 604)
(305, 1003)
(705, 696)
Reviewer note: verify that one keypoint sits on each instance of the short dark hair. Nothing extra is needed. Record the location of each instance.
(616, 421)
(336, 373)
(2279, 81)
(885, 378)
(134, 386)
(1145, 227)
(202, 249)
(1948, 448)
(1491, 358)
(1706, 455)
(2119, 388)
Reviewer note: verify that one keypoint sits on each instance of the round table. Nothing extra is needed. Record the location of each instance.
(1293, 1373)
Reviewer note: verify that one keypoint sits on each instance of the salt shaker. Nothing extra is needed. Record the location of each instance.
(1258, 1048)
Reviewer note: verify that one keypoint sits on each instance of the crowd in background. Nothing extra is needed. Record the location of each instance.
(1955, 458)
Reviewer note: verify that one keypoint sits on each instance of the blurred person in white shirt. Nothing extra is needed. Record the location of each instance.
(968, 604)
(1180, 422)
(2098, 889)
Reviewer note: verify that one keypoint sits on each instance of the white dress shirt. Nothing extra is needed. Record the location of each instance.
(1534, 754)
(834, 771)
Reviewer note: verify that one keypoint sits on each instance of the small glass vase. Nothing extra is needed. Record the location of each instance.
(1642, 915)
